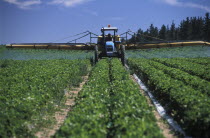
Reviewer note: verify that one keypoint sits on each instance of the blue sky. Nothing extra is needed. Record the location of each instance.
(49, 20)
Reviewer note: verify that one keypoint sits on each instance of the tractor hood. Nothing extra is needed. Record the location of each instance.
(109, 43)
(110, 49)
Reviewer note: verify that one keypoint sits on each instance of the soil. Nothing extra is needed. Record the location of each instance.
(166, 130)
(60, 116)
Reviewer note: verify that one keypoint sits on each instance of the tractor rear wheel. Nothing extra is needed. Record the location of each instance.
(96, 54)
(122, 50)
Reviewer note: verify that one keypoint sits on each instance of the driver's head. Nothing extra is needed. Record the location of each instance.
(109, 35)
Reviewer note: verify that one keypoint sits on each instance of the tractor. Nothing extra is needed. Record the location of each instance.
(109, 45)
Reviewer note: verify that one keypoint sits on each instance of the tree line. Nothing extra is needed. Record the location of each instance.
(193, 28)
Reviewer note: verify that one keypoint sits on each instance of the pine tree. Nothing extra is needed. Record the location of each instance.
(123, 40)
(207, 27)
(201, 26)
(155, 33)
(151, 32)
(139, 37)
(191, 27)
(181, 31)
(167, 33)
(146, 34)
(132, 39)
(162, 32)
(176, 34)
(194, 28)
(199, 29)
(186, 28)
(172, 31)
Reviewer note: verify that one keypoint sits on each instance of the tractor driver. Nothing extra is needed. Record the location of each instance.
(109, 37)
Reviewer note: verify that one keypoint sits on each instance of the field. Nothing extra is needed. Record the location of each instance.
(34, 82)
(32, 89)
(2, 48)
(110, 106)
(40, 54)
(181, 85)
(185, 52)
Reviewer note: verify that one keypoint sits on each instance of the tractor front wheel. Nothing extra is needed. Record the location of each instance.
(122, 50)
(96, 54)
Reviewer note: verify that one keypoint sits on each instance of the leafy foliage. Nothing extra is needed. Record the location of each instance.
(172, 52)
(130, 111)
(31, 89)
(90, 115)
(194, 81)
(43, 54)
(110, 105)
(2, 48)
(201, 71)
(202, 61)
(190, 107)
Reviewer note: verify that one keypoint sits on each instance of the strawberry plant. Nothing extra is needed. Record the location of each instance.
(171, 52)
(44, 54)
(30, 90)
(193, 81)
(110, 105)
(190, 107)
(191, 68)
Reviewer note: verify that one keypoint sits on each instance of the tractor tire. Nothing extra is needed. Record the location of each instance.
(122, 51)
(96, 54)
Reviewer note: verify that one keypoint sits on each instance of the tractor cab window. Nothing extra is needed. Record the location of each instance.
(109, 37)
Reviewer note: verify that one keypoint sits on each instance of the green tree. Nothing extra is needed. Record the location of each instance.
(172, 31)
(139, 36)
(123, 40)
(146, 34)
(153, 33)
(194, 28)
(207, 27)
(162, 32)
(167, 33)
(195, 31)
(176, 37)
(184, 29)
(200, 28)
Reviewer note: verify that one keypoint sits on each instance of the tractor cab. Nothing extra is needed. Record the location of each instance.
(108, 44)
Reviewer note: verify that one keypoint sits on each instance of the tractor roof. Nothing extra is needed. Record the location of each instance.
(109, 29)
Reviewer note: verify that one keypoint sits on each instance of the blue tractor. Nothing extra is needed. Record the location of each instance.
(109, 45)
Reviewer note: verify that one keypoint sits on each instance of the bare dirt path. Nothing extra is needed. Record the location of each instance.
(60, 116)
(166, 130)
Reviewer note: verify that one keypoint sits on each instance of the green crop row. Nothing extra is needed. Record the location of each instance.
(2, 48)
(130, 111)
(193, 69)
(45, 54)
(193, 81)
(110, 105)
(172, 52)
(90, 113)
(30, 90)
(202, 61)
(196, 62)
(189, 107)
